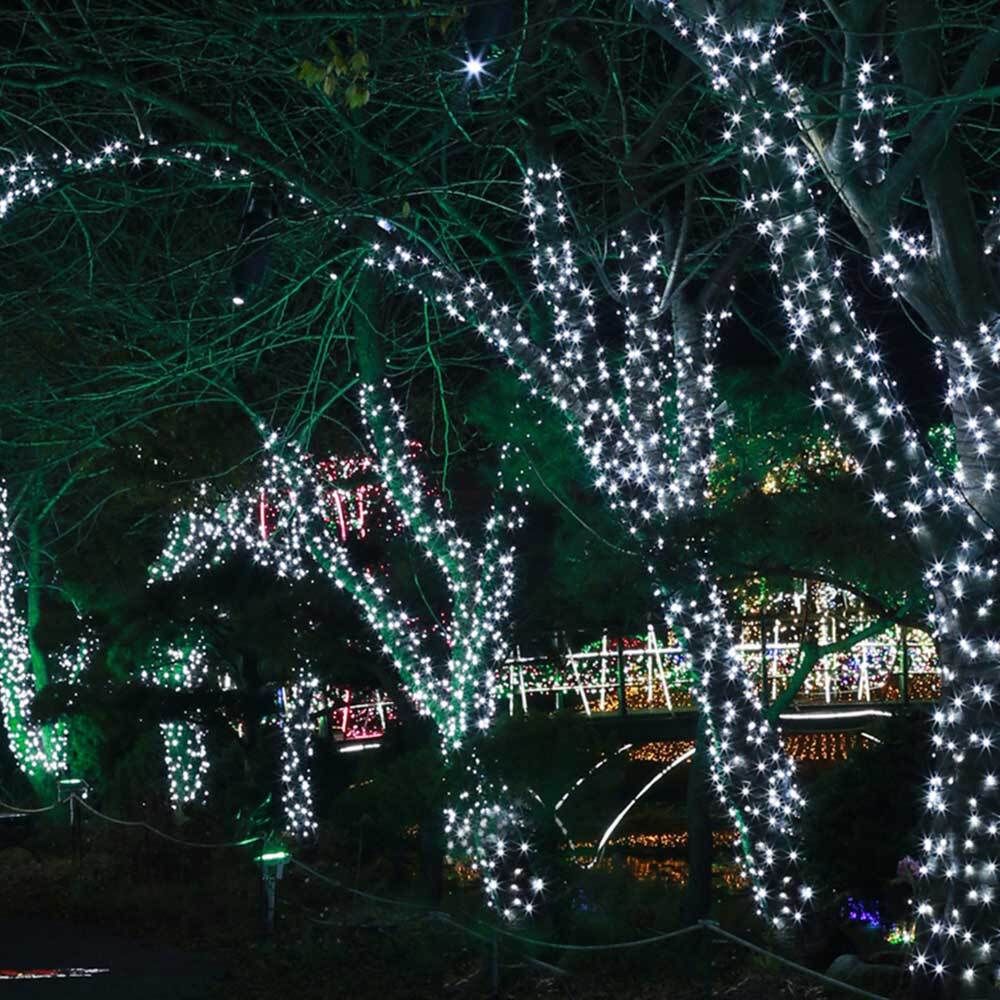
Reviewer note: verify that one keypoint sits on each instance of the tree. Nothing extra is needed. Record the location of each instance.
(647, 432)
(775, 133)
(40, 749)
(447, 676)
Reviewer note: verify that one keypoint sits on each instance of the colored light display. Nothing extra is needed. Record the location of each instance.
(813, 747)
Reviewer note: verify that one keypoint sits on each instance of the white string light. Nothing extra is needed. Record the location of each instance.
(182, 667)
(650, 469)
(942, 512)
(297, 731)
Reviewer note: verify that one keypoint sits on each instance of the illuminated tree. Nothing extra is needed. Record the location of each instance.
(40, 749)
(646, 427)
(447, 676)
(797, 178)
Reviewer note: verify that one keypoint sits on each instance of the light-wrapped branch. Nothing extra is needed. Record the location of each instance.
(451, 681)
(651, 470)
(952, 517)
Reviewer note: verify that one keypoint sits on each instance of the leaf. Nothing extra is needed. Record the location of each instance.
(357, 95)
(329, 84)
(332, 45)
(309, 73)
(406, 209)
(359, 63)
(338, 65)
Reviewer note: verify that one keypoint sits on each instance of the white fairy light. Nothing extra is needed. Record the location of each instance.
(297, 732)
(650, 470)
(182, 667)
(456, 689)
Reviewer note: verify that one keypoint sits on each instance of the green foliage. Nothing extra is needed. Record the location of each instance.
(566, 741)
(862, 815)
(786, 502)
(772, 441)
(941, 438)
(574, 539)
(344, 72)
(391, 797)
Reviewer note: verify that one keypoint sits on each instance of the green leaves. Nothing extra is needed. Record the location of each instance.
(356, 96)
(345, 71)
(309, 73)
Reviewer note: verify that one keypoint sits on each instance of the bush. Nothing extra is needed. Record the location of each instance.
(862, 816)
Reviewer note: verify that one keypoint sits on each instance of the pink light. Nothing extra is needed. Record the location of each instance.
(50, 973)
(347, 709)
(340, 515)
(263, 515)
(363, 734)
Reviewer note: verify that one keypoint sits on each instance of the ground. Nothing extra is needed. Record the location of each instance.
(183, 924)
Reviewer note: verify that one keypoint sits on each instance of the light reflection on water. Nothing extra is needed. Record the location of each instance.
(673, 870)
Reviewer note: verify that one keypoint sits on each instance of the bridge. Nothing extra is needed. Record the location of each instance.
(640, 685)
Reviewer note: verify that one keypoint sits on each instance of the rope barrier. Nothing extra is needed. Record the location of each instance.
(490, 929)
(12, 809)
(489, 936)
(25, 809)
(159, 833)
(714, 928)
(599, 947)
(359, 892)
(703, 925)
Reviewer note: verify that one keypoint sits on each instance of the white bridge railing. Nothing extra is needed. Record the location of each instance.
(647, 673)
(642, 673)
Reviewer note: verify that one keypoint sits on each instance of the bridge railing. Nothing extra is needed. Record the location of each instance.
(651, 673)
(645, 673)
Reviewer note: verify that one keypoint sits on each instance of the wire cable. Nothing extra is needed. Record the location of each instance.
(714, 928)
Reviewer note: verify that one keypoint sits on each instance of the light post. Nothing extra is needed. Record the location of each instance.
(272, 867)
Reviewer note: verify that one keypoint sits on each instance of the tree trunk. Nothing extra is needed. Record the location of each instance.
(38, 665)
(697, 900)
(41, 781)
